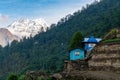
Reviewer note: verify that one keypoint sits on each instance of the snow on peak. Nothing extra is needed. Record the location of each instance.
(27, 27)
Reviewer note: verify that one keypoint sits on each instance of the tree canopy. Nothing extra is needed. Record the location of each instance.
(48, 50)
(76, 41)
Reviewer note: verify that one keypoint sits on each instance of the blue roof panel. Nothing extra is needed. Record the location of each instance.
(92, 39)
(86, 39)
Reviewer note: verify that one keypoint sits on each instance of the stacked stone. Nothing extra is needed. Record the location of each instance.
(80, 65)
(106, 56)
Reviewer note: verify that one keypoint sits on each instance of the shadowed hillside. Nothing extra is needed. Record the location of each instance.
(47, 50)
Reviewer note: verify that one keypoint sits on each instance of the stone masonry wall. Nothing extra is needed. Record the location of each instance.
(106, 56)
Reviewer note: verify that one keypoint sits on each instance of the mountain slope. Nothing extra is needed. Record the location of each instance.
(6, 37)
(47, 50)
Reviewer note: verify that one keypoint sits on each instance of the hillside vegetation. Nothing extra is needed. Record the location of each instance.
(112, 36)
(48, 50)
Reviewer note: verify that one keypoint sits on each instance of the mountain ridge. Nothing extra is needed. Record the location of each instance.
(27, 27)
(46, 51)
(23, 28)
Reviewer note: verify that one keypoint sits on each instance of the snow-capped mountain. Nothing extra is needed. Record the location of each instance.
(20, 29)
(26, 27)
(6, 37)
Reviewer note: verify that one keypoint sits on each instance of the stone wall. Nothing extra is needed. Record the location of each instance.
(75, 65)
(106, 56)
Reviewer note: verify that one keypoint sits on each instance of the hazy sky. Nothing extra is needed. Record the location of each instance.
(50, 10)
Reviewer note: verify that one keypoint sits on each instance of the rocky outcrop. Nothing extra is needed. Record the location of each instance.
(6, 37)
(34, 75)
(73, 75)
(80, 65)
(106, 56)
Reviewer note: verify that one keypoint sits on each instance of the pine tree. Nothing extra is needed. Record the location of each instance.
(76, 41)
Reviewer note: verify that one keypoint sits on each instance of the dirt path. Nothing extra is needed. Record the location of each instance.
(94, 75)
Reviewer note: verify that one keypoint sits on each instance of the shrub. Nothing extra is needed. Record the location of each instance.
(12, 77)
(40, 78)
(111, 40)
(111, 34)
(22, 77)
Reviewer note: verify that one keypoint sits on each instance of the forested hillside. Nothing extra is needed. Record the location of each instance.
(48, 50)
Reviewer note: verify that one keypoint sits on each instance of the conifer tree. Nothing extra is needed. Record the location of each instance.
(76, 41)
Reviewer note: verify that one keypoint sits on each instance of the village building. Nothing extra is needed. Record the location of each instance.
(79, 57)
(77, 54)
(81, 54)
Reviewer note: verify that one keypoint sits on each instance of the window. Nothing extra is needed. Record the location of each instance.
(77, 53)
(91, 45)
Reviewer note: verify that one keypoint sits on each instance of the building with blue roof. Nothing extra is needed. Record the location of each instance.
(89, 44)
(77, 54)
